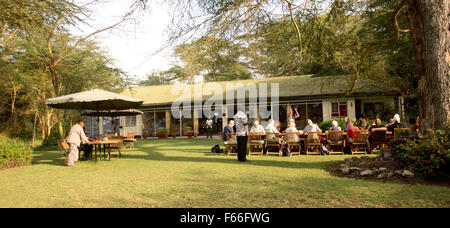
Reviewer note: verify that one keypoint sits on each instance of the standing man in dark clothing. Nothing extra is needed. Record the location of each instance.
(209, 126)
(241, 121)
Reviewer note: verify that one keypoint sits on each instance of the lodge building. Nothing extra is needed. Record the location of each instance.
(319, 98)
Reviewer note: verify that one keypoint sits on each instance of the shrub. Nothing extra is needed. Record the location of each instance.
(327, 124)
(14, 152)
(162, 131)
(49, 143)
(428, 155)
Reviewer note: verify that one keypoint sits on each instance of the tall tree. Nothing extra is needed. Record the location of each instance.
(429, 24)
(53, 29)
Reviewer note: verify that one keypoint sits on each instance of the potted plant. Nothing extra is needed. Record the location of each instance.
(189, 133)
(162, 133)
(173, 133)
(154, 134)
(195, 134)
(145, 134)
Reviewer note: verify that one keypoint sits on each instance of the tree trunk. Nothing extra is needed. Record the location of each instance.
(13, 104)
(430, 36)
(34, 130)
(55, 80)
(42, 121)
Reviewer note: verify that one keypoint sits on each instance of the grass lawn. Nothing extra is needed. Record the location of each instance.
(184, 173)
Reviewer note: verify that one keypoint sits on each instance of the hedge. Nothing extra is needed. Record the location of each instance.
(14, 153)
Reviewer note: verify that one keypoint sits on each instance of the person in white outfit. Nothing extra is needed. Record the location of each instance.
(76, 136)
(257, 128)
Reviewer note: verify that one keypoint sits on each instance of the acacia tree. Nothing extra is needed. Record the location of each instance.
(45, 23)
(53, 29)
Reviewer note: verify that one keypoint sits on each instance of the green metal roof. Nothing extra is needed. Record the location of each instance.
(289, 86)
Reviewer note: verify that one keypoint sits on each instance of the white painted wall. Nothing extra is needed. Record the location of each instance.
(326, 108)
(137, 130)
(351, 109)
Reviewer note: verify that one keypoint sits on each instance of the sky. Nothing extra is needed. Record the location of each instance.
(134, 44)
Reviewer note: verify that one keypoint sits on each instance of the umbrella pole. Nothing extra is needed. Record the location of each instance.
(98, 120)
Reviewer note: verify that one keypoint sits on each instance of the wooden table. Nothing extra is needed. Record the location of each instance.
(106, 146)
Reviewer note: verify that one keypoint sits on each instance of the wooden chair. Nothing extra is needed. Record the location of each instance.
(273, 143)
(313, 141)
(256, 143)
(129, 140)
(63, 148)
(293, 140)
(223, 140)
(231, 144)
(336, 139)
(358, 139)
(115, 146)
(403, 132)
(378, 138)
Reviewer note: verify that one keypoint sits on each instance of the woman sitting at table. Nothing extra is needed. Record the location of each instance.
(292, 128)
(270, 128)
(374, 125)
(334, 126)
(257, 128)
(347, 121)
(396, 124)
(271, 131)
(312, 127)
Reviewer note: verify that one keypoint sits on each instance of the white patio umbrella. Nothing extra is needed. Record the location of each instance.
(97, 100)
(94, 100)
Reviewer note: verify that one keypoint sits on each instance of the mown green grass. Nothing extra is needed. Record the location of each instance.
(184, 173)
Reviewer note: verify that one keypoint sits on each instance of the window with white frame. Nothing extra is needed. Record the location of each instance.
(339, 109)
(130, 121)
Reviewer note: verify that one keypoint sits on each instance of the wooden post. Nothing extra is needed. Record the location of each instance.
(168, 119)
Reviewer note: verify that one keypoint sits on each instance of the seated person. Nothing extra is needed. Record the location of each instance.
(396, 124)
(375, 125)
(348, 120)
(362, 122)
(391, 121)
(86, 148)
(257, 128)
(334, 126)
(278, 126)
(312, 127)
(228, 129)
(350, 130)
(270, 128)
(335, 138)
(292, 128)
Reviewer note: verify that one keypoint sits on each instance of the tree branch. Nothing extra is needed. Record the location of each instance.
(397, 31)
